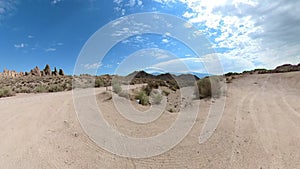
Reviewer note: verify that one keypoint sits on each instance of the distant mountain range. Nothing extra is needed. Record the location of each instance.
(199, 75)
(164, 76)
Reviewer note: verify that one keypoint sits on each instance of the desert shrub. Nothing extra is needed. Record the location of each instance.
(209, 87)
(99, 82)
(117, 88)
(25, 89)
(66, 86)
(156, 98)
(55, 88)
(173, 85)
(6, 92)
(124, 94)
(41, 89)
(147, 89)
(142, 97)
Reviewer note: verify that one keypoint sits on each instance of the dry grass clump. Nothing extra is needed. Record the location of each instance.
(6, 92)
(156, 97)
(117, 88)
(41, 89)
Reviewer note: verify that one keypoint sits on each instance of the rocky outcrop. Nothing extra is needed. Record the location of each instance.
(48, 71)
(33, 72)
(61, 72)
(287, 68)
(11, 73)
(55, 72)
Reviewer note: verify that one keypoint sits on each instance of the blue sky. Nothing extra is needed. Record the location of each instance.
(244, 34)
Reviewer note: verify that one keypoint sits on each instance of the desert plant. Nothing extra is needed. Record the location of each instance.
(117, 88)
(142, 97)
(6, 92)
(55, 88)
(25, 89)
(156, 98)
(208, 87)
(99, 82)
(41, 89)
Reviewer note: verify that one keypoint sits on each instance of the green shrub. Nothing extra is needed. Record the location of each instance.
(142, 97)
(117, 88)
(99, 82)
(6, 92)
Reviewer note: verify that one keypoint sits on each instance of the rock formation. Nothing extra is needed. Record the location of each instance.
(61, 72)
(48, 71)
(33, 72)
(11, 73)
(55, 72)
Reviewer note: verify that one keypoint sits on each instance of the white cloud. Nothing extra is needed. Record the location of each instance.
(188, 14)
(131, 3)
(21, 45)
(156, 53)
(258, 33)
(140, 2)
(50, 49)
(92, 65)
(122, 6)
(165, 1)
(30, 36)
(118, 1)
(54, 2)
(7, 7)
(165, 41)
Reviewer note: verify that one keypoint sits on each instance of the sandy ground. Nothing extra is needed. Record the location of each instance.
(260, 128)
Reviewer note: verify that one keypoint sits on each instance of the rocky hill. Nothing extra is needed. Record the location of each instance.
(279, 69)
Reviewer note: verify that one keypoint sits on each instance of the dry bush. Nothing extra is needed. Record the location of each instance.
(41, 89)
(6, 92)
(99, 82)
(156, 98)
(25, 89)
(55, 88)
(117, 88)
(209, 87)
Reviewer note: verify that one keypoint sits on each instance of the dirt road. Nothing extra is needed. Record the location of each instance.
(260, 128)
